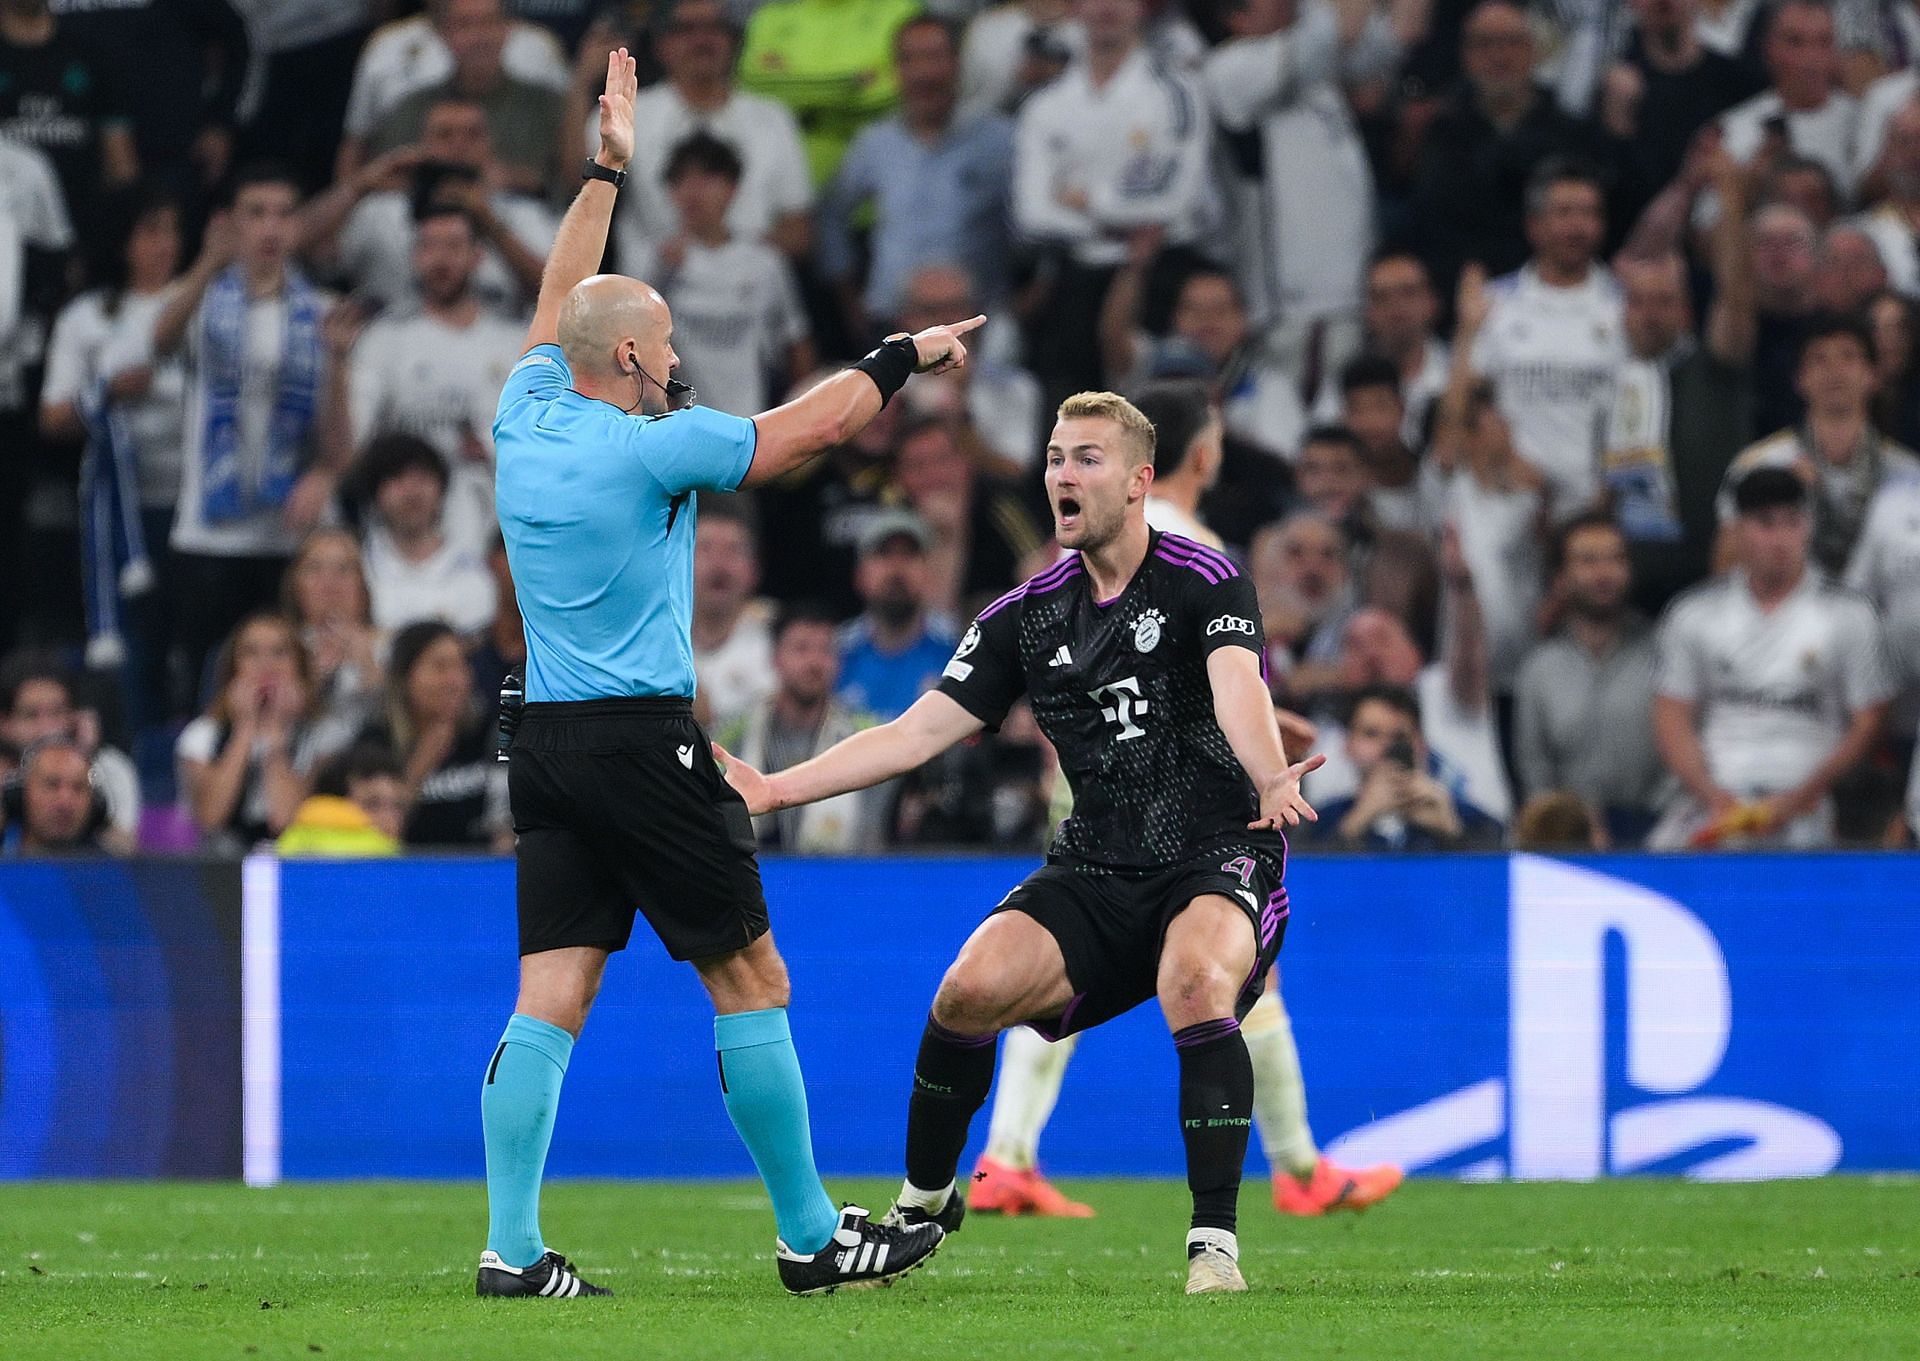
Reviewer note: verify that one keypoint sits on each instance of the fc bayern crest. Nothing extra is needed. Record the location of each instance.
(1146, 631)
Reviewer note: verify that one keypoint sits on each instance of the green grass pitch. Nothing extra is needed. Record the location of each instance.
(1813, 1271)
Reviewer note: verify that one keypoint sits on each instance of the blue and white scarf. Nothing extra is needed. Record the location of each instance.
(113, 544)
(225, 490)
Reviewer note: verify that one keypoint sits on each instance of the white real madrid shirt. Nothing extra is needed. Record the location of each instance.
(1552, 354)
(1774, 689)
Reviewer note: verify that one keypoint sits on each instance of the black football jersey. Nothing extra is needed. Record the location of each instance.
(1120, 688)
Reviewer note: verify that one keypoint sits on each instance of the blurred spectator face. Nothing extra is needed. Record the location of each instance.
(934, 296)
(58, 795)
(1313, 563)
(42, 708)
(475, 31)
(1801, 55)
(1566, 229)
(383, 798)
(1208, 315)
(1091, 471)
(1773, 544)
(702, 197)
(409, 501)
(1657, 311)
(456, 131)
(1848, 270)
(440, 685)
(327, 583)
(266, 657)
(1401, 305)
(806, 662)
(1903, 150)
(1663, 20)
(1331, 478)
(1374, 414)
(1891, 318)
(1497, 51)
(263, 219)
(929, 69)
(1783, 242)
(445, 255)
(1375, 727)
(1110, 24)
(1378, 650)
(1806, 187)
(931, 466)
(1836, 375)
(153, 249)
(894, 580)
(1258, 18)
(1596, 573)
(697, 44)
(726, 569)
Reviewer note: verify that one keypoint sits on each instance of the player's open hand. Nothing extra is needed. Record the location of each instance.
(1281, 802)
(747, 782)
(939, 347)
(616, 109)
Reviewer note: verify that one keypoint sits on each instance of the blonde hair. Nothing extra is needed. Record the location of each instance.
(1111, 406)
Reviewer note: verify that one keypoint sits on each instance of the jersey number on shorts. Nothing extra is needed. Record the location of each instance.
(1121, 703)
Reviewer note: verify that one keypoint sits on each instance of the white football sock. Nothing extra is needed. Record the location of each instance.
(1279, 1095)
(1220, 1240)
(1031, 1071)
(933, 1202)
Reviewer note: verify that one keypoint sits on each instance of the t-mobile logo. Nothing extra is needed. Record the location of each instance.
(1121, 703)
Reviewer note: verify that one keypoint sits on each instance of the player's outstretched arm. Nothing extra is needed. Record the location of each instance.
(869, 757)
(582, 238)
(1243, 708)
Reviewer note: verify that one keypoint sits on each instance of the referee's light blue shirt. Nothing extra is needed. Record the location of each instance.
(597, 507)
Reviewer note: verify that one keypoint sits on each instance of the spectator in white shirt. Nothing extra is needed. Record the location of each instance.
(1894, 224)
(1773, 684)
(732, 628)
(1115, 144)
(1303, 197)
(364, 225)
(414, 572)
(1015, 49)
(1553, 336)
(736, 311)
(1885, 568)
(435, 369)
(416, 53)
(1805, 111)
(1186, 455)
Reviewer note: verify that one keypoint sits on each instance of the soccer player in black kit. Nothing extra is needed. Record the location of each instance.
(1140, 653)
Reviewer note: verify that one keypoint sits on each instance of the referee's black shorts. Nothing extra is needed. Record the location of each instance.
(619, 807)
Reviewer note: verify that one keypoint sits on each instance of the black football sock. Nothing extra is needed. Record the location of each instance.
(1216, 1114)
(951, 1079)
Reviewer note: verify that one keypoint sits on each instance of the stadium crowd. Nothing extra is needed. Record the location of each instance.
(1550, 368)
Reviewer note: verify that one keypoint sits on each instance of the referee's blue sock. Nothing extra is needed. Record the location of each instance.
(517, 1106)
(767, 1101)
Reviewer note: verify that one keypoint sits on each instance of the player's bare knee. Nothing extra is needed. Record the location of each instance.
(1195, 988)
(972, 999)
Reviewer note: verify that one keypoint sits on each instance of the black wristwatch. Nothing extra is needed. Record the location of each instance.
(593, 170)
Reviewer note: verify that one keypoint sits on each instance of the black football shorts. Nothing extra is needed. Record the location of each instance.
(619, 806)
(1109, 926)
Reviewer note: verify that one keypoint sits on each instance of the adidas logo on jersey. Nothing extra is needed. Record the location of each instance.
(1062, 657)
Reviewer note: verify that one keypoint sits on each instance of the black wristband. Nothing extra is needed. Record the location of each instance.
(593, 170)
(890, 365)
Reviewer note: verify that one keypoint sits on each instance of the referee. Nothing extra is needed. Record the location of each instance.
(616, 799)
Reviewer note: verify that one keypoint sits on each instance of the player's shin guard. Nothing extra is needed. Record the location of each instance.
(951, 1079)
(767, 1102)
(1279, 1095)
(1216, 1113)
(517, 1106)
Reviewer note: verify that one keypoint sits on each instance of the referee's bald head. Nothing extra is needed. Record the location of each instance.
(609, 323)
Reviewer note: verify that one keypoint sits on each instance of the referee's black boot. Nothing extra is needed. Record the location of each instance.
(552, 1277)
(860, 1253)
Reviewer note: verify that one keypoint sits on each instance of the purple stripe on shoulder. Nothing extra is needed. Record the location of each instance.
(1002, 602)
(1054, 575)
(1212, 576)
(1207, 554)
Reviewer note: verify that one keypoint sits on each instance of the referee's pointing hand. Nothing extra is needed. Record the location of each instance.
(939, 347)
